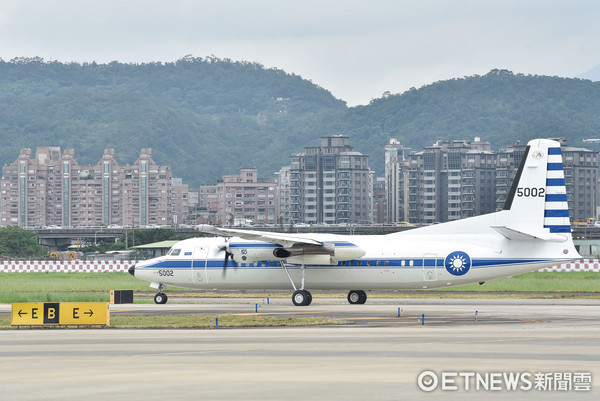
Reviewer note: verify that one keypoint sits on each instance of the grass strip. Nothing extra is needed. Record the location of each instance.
(124, 321)
(95, 287)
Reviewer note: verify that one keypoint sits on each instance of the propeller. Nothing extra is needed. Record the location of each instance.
(228, 255)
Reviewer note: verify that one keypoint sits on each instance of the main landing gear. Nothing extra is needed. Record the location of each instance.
(301, 298)
(357, 297)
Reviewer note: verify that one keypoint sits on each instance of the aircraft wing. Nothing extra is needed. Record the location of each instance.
(283, 239)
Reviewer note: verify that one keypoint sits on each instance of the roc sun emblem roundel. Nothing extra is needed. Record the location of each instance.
(458, 263)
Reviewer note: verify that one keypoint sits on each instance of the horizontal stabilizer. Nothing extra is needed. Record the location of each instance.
(519, 234)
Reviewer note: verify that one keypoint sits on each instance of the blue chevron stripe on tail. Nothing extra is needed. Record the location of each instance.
(556, 209)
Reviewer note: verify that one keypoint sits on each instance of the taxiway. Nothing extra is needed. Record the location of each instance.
(377, 358)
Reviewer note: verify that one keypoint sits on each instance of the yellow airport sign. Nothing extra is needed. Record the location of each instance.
(84, 313)
(30, 314)
(63, 313)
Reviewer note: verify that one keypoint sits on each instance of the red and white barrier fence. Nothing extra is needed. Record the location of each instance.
(581, 265)
(98, 266)
(65, 266)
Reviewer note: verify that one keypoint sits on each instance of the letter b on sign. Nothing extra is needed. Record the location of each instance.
(51, 313)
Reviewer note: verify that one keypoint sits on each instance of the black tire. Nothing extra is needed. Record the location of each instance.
(161, 298)
(301, 298)
(363, 297)
(357, 297)
(354, 297)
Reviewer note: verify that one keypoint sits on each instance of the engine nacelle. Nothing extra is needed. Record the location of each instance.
(327, 254)
(250, 254)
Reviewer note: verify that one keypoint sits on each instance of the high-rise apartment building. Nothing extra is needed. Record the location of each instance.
(181, 201)
(330, 184)
(396, 181)
(283, 183)
(508, 161)
(456, 179)
(238, 200)
(52, 189)
(379, 201)
(448, 181)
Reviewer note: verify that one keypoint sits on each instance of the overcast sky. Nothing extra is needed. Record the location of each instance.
(355, 49)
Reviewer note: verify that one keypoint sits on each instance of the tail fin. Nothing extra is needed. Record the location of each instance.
(536, 205)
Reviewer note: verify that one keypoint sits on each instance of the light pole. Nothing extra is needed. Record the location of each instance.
(95, 237)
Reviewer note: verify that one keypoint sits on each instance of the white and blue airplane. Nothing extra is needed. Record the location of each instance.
(531, 232)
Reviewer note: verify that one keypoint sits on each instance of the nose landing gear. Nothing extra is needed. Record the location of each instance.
(160, 297)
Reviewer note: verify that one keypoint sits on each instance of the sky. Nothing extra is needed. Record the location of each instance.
(355, 49)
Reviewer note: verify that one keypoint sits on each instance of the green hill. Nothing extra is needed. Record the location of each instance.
(500, 107)
(207, 117)
(204, 117)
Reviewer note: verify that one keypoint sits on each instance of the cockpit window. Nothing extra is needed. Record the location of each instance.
(175, 252)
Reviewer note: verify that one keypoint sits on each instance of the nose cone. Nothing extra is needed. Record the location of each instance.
(131, 270)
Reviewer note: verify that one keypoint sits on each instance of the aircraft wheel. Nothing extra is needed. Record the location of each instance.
(363, 297)
(357, 297)
(301, 298)
(161, 298)
(309, 298)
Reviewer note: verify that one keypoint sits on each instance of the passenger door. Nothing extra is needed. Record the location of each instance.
(199, 265)
(430, 267)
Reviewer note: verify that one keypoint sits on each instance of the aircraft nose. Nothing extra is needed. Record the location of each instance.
(131, 270)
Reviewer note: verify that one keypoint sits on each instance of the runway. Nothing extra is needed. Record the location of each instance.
(380, 357)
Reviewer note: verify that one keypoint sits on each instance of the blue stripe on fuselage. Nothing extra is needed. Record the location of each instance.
(364, 263)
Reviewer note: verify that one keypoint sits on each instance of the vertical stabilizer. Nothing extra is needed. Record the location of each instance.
(536, 205)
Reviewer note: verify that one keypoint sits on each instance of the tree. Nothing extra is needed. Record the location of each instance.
(18, 243)
(143, 237)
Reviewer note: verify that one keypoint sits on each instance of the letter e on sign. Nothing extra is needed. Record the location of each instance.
(82, 313)
(27, 314)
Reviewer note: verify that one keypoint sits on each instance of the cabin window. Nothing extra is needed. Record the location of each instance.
(379, 263)
(402, 263)
(358, 263)
(411, 263)
(368, 263)
(387, 263)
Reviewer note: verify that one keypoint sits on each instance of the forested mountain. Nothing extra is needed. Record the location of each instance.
(204, 117)
(500, 107)
(207, 117)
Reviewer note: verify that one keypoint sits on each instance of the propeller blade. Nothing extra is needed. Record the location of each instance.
(227, 256)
